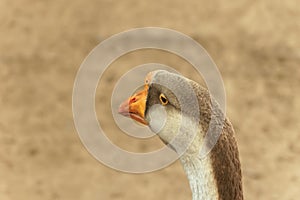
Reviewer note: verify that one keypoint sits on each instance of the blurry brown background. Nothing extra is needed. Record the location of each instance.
(255, 45)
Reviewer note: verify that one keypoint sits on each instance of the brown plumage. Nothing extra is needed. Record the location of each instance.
(216, 176)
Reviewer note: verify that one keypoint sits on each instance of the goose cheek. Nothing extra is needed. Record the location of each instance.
(157, 117)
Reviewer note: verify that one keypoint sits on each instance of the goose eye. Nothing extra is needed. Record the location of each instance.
(163, 99)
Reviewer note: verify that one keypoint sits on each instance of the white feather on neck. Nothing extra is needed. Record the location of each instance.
(198, 170)
(201, 177)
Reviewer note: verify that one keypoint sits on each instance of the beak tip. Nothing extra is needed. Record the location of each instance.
(124, 108)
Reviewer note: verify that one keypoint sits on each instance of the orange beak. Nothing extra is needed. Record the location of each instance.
(135, 106)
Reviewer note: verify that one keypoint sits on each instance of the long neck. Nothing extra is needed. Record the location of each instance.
(218, 175)
(201, 177)
(226, 165)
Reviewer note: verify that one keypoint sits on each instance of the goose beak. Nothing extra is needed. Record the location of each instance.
(135, 107)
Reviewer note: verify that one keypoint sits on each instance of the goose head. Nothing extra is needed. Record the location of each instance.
(170, 110)
(179, 110)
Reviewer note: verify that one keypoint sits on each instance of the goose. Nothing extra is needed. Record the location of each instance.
(214, 176)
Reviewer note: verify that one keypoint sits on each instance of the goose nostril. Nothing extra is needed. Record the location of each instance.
(132, 100)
